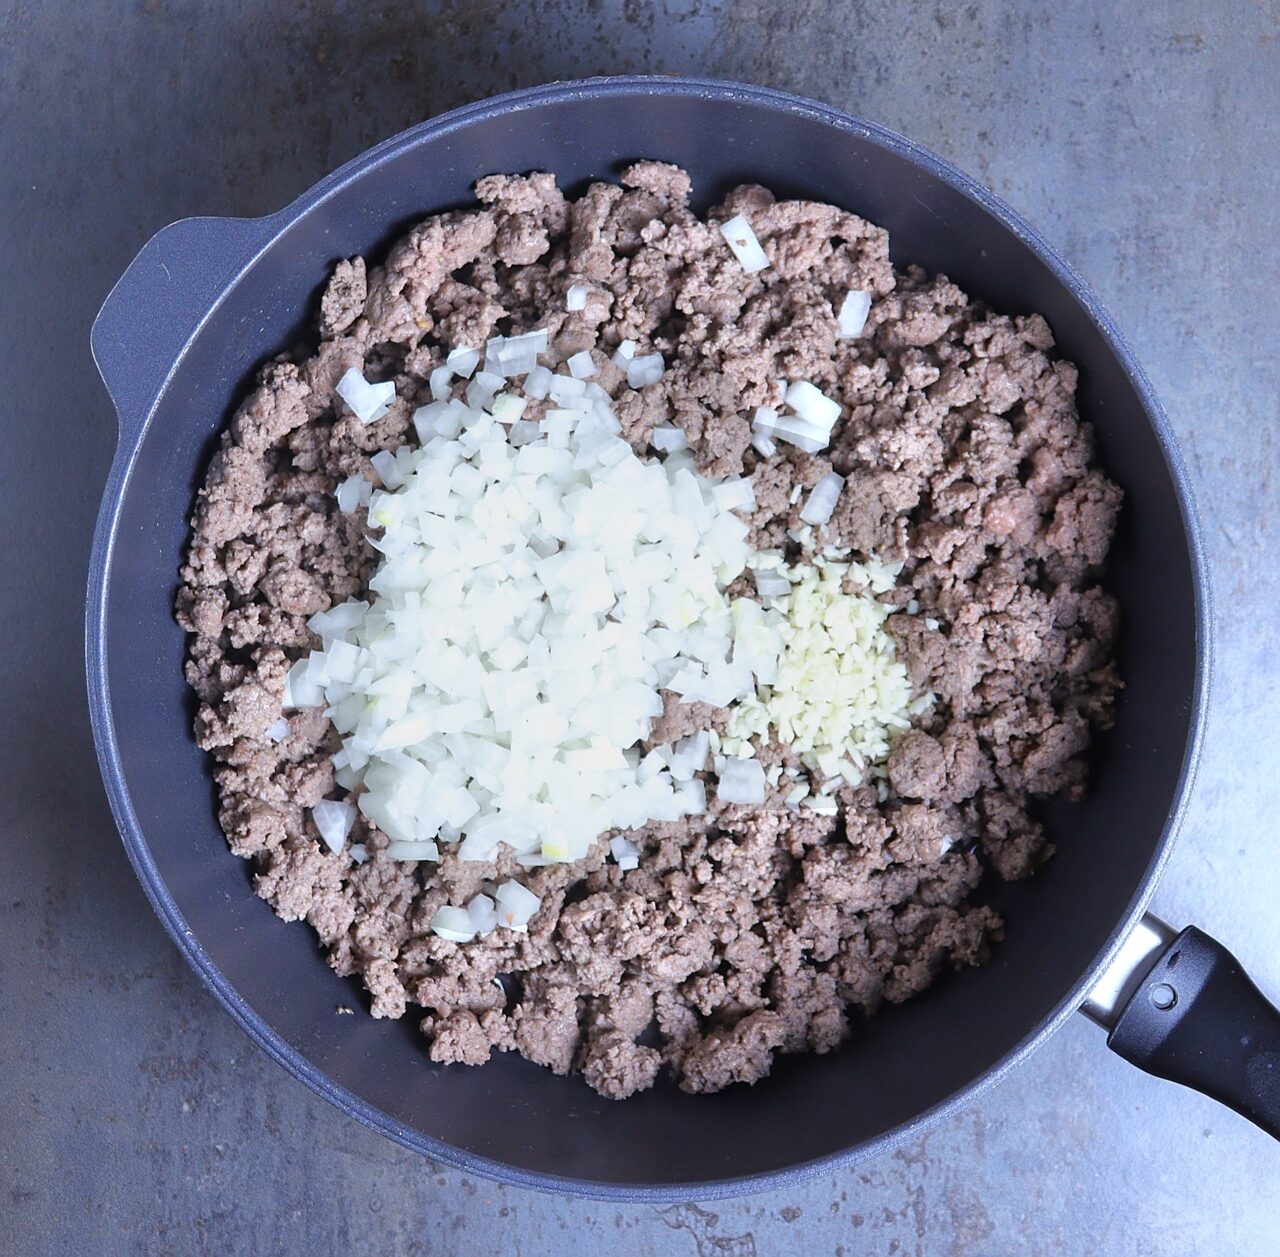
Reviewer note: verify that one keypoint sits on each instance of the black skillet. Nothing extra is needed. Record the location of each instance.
(208, 299)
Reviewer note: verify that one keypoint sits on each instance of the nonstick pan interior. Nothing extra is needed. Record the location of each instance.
(512, 1118)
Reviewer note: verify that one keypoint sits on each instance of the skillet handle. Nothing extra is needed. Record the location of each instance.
(1196, 1018)
(157, 305)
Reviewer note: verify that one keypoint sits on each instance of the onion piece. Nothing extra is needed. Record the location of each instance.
(298, 690)
(483, 914)
(645, 370)
(575, 298)
(581, 366)
(278, 731)
(453, 924)
(338, 620)
(745, 245)
(516, 905)
(368, 402)
(515, 355)
(693, 797)
(812, 405)
(353, 493)
(763, 445)
(384, 463)
(800, 433)
(735, 495)
(522, 432)
(625, 853)
(852, 317)
(771, 584)
(334, 820)
(688, 756)
(567, 391)
(822, 500)
(440, 382)
(463, 361)
(507, 408)
(407, 849)
(668, 439)
(741, 781)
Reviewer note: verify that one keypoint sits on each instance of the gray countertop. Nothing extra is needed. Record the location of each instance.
(1141, 138)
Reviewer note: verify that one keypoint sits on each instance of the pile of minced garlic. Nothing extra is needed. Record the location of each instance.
(540, 585)
(835, 693)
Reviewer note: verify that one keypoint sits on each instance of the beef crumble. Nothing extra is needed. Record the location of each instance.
(753, 930)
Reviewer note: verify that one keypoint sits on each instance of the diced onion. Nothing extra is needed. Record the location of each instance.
(812, 405)
(668, 438)
(735, 495)
(507, 408)
(822, 500)
(537, 383)
(384, 463)
(741, 781)
(800, 433)
(483, 914)
(334, 821)
(515, 355)
(440, 383)
(644, 370)
(854, 309)
(353, 493)
(516, 905)
(453, 924)
(279, 731)
(406, 849)
(540, 584)
(625, 852)
(746, 247)
(688, 756)
(299, 691)
(368, 402)
(693, 797)
(771, 584)
(575, 298)
(463, 361)
(580, 365)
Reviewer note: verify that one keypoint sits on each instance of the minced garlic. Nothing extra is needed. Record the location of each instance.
(838, 694)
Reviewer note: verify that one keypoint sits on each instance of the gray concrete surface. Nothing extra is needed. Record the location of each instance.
(1140, 137)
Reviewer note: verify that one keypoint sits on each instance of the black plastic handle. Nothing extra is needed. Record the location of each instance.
(1197, 1019)
(157, 305)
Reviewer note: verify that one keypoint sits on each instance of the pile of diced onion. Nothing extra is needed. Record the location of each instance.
(540, 585)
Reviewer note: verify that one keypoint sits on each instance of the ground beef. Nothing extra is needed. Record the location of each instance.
(748, 932)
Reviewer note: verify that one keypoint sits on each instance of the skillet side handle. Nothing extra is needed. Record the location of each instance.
(1197, 1019)
(160, 301)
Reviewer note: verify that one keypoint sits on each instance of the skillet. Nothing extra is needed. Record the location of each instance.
(206, 300)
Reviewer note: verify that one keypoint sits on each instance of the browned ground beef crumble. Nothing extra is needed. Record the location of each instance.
(749, 931)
